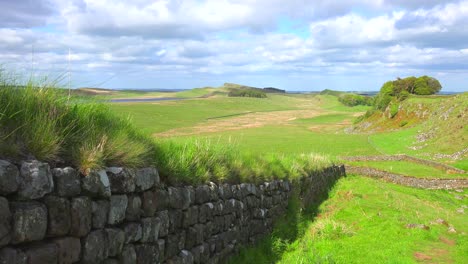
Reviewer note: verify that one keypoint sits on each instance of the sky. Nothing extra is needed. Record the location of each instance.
(305, 45)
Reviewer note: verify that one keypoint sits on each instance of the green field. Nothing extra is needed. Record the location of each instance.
(364, 219)
(408, 169)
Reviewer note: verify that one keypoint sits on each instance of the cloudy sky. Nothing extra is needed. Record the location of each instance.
(291, 44)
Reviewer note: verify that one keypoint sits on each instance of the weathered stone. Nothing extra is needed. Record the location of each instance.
(68, 250)
(213, 191)
(205, 212)
(42, 254)
(161, 243)
(100, 210)
(195, 236)
(12, 256)
(5, 222)
(190, 216)
(161, 199)
(59, 216)
(186, 257)
(67, 181)
(146, 178)
(81, 216)
(122, 180)
(188, 195)
(134, 210)
(150, 229)
(96, 183)
(174, 260)
(175, 220)
(176, 200)
(95, 247)
(116, 240)
(133, 232)
(147, 253)
(218, 207)
(128, 255)
(202, 194)
(35, 180)
(225, 191)
(164, 227)
(148, 203)
(8, 177)
(110, 261)
(29, 221)
(174, 244)
(199, 254)
(117, 209)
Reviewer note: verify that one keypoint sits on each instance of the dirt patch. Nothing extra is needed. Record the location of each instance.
(447, 241)
(250, 120)
(421, 256)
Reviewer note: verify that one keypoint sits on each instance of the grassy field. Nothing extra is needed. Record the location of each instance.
(367, 220)
(409, 169)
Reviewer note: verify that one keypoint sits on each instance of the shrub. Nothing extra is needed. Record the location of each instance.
(403, 123)
(393, 110)
(247, 92)
(351, 99)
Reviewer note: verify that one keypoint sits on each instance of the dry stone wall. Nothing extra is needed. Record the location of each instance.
(117, 215)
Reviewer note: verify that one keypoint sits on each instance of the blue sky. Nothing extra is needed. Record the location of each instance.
(294, 45)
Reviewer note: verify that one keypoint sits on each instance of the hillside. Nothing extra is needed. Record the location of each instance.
(431, 124)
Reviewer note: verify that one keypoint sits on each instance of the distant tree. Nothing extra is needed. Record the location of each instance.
(426, 85)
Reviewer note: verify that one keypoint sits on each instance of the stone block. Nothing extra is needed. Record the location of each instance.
(116, 240)
(29, 221)
(188, 196)
(175, 220)
(161, 243)
(100, 211)
(190, 216)
(161, 199)
(213, 191)
(94, 247)
(12, 256)
(67, 182)
(59, 212)
(146, 178)
(122, 180)
(150, 229)
(5, 222)
(205, 212)
(224, 191)
(133, 232)
(147, 253)
(96, 184)
(174, 244)
(202, 194)
(81, 216)
(176, 199)
(194, 236)
(164, 227)
(186, 257)
(128, 255)
(9, 175)
(42, 254)
(117, 209)
(110, 261)
(134, 210)
(148, 204)
(68, 250)
(35, 180)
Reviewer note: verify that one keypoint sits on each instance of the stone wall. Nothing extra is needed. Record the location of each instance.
(117, 215)
(424, 183)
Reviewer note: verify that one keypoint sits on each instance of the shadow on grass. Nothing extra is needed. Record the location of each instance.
(288, 229)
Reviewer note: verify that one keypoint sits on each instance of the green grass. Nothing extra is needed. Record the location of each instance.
(324, 119)
(291, 140)
(159, 117)
(38, 121)
(409, 169)
(365, 219)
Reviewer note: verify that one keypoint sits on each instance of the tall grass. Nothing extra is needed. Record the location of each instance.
(38, 120)
(205, 160)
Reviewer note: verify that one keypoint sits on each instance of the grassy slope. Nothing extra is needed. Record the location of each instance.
(409, 169)
(365, 219)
